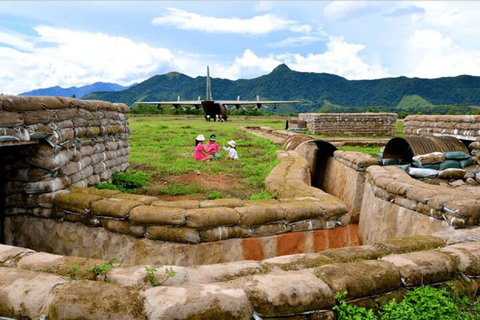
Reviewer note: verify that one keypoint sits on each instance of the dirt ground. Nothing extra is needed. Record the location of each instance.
(226, 184)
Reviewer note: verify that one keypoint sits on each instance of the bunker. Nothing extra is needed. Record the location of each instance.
(339, 221)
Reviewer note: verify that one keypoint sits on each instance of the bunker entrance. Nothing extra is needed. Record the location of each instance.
(8, 158)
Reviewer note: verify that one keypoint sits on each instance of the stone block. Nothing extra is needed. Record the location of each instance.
(173, 234)
(158, 215)
(284, 294)
(209, 301)
(95, 300)
(360, 279)
(466, 256)
(123, 227)
(25, 294)
(212, 217)
(115, 208)
(425, 267)
(76, 202)
(303, 210)
(253, 214)
(409, 244)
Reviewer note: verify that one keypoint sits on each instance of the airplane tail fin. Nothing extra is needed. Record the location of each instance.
(209, 88)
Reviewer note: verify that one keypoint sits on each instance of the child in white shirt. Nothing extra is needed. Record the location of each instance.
(232, 151)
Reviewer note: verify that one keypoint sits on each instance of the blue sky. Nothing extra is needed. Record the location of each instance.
(75, 43)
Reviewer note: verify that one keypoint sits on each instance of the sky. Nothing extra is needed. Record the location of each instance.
(76, 43)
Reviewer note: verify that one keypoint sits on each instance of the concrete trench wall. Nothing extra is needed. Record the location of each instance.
(350, 124)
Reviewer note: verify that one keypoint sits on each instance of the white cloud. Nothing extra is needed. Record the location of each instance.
(250, 65)
(341, 58)
(72, 58)
(258, 25)
(343, 10)
(295, 42)
(432, 55)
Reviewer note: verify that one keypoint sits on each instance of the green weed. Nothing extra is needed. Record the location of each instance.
(423, 303)
(214, 195)
(346, 311)
(152, 279)
(126, 182)
(72, 271)
(102, 269)
(261, 195)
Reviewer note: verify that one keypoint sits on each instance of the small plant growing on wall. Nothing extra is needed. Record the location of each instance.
(101, 270)
(72, 271)
(152, 279)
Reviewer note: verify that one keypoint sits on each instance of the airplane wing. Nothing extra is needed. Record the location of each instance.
(246, 102)
(175, 103)
(239, 104)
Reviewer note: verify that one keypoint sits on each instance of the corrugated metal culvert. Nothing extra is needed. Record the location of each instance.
(404, 149)
(297, 140)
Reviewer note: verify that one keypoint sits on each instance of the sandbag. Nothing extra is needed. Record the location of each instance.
(223, 233)
(449, 164)
(456, 155)
(466, 162)
(429, 158)
(42, 116)
(453, 173)
(10, 119)
(474, 145)
(434, 166)
(53, 163)
(423, 173)
(16, 103)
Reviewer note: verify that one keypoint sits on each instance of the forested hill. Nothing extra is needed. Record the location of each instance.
(314, 88)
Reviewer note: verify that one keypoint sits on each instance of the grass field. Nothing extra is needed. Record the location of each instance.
(163, 147)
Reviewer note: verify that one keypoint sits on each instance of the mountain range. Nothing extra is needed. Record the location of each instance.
(319, 91)
(78, 92)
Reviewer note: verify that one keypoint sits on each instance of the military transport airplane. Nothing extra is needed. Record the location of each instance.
(215, 109)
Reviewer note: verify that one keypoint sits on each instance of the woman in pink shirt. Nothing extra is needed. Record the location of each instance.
(200, 154)
(211, 147)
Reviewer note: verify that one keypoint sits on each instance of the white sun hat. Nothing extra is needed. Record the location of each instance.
(231, 143)
(200, 137)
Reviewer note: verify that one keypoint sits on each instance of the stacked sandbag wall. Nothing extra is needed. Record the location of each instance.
(299, 207)
(71, 142)
(465, 127)
(38, 285)
(351, 124)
